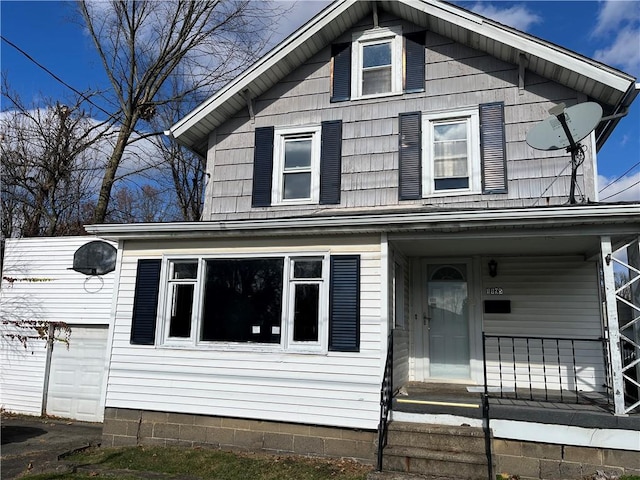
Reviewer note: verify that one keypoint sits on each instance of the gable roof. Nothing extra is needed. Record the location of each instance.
(613, 89)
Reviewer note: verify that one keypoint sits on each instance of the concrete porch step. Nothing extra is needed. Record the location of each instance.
(459, 465)
(442, 438)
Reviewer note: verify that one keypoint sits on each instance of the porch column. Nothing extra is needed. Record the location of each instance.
(612, 325)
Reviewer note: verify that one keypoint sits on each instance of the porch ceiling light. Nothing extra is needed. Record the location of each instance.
(493, 268)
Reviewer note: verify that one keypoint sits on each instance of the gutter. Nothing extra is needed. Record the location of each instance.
(619, 112)
(594, 215)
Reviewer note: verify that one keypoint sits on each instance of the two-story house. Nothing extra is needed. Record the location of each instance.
(370, 176)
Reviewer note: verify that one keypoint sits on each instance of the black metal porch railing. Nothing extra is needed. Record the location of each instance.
(386, 397)
(546, 369)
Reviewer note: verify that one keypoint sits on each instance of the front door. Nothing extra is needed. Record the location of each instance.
(447, 322)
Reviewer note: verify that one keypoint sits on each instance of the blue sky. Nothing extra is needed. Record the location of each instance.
(608, 31)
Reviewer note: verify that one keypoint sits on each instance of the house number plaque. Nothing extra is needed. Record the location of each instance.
(495, 291)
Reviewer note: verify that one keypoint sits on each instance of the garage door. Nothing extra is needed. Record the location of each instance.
(77, 373)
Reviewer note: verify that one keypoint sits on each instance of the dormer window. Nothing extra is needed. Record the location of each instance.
(377, 62)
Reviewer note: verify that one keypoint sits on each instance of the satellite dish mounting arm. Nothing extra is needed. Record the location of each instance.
(573, 148)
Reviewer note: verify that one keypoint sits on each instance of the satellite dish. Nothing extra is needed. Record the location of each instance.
(95, 258)
(581, 120)
(564, 129)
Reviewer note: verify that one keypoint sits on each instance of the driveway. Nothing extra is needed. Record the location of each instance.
(33, 443)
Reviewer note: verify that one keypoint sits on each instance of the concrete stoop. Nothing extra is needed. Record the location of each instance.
(433, 452)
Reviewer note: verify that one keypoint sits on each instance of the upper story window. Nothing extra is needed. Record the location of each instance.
(452, 153)
(452, 147)
(377, 62)
(296, 165)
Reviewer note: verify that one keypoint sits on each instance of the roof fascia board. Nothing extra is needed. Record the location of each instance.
(526, 43)
(325, 17)
(582, 215)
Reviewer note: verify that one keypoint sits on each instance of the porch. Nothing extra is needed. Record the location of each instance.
(417, 399)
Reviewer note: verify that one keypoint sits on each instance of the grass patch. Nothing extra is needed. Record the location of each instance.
(203, 463)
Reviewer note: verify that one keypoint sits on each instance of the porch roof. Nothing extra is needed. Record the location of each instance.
(569, 221)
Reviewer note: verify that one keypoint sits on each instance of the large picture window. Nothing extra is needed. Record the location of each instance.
(279, 301)
(242, 300)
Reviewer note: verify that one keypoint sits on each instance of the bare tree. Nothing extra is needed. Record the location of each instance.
(182, 171)
(48, 167)
(146, 203)
(144, 44)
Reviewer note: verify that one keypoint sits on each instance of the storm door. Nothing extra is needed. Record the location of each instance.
(447, 320)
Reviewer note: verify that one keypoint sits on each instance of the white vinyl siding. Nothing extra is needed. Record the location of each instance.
(44, 288)
(335, 388)
(550, 297)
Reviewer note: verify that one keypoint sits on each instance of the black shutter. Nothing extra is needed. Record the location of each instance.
(341, 73)
(330, 162)
(145, 302)
(410, 156)
(492, 146)
(415, 63)
(344, 304)
(262, 167)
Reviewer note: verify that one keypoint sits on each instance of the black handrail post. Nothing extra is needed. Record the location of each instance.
(386, 397)
(485, 411)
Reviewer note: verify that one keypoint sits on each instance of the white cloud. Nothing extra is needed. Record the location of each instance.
(618, 25)
(624, 52)
(516, 16)
(614, 13)
(626, 189)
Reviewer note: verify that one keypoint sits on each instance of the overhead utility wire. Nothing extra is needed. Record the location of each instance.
(619, 178)
(623, 190)
(109, 114)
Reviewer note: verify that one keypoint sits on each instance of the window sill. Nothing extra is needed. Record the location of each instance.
(241, 348)
(377, 96)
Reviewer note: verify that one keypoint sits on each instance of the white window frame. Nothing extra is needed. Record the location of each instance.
(372, 37)
(286, 321)
(167, 299)
(472, 119)
(281, 136)
(323, 305)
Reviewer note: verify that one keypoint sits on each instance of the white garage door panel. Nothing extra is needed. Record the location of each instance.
(77, 374)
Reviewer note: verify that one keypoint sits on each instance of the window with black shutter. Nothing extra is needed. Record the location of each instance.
(297, 165)
(378, 62)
